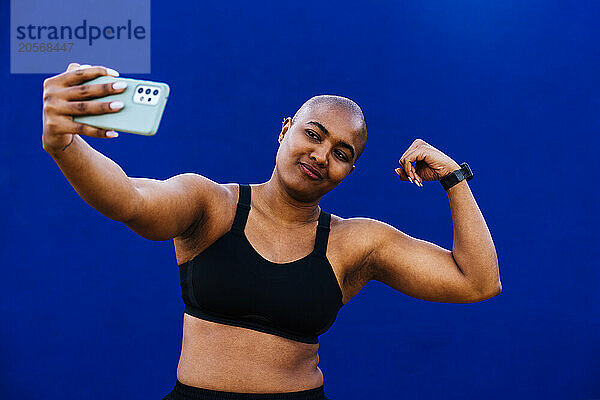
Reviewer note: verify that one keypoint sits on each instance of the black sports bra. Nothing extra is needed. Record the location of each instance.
(231, 283)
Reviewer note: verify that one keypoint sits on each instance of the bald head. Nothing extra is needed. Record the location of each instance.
(333, 102)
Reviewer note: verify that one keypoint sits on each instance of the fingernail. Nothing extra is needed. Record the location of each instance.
(112, 134)
(115, 105)
(119, 85)
(397, 171)
(411, 181)
(112, 72)
(84, 66)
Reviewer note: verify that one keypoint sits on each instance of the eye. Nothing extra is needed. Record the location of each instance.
(341, 155)
(309, 133)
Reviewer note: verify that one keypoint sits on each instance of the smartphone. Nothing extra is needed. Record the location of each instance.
(144, 103)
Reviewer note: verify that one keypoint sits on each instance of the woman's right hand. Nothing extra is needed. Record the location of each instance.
(62, 98)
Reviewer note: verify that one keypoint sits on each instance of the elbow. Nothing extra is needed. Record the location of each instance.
(131, 213)
(491, 288)
(498, 284)
(493, 294)
(485, 295)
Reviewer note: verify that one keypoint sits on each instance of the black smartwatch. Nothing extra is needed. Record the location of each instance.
(464, 173)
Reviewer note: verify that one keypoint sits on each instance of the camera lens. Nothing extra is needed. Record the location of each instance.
(149, 99)
(155, 92)
(140, 90)
(148, 91)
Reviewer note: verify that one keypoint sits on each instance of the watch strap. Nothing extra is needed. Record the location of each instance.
(464, 173)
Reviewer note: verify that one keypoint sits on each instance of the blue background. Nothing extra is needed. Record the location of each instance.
(91, 310)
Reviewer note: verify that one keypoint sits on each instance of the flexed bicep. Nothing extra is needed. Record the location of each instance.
(416, 267)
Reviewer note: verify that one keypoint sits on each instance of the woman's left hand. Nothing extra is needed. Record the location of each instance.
(430, 163)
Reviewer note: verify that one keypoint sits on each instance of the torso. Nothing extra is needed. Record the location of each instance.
(235, 359)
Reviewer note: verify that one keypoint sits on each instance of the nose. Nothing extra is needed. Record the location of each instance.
(319, 157)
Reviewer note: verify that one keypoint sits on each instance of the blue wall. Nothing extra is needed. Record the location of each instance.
(91, 310)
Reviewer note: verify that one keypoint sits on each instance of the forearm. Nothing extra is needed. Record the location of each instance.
(473, 248)
(97, 179)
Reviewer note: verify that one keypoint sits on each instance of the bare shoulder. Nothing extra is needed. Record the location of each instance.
(208, 195)
(359, 235)
(351, 242)
(372, 237)
(174, 207)
(359, 231)
(219, 211)
(361, 224)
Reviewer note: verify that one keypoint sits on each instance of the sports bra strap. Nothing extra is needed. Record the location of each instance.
(322, 233)
(243, 208)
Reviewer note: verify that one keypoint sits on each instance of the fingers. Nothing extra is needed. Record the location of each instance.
(406, 168)
(71, 127)
(83, 92)
(83, 73)
(58, 124)
(402, 174)
(60, 107)
(405, 162)
(411, 157)
(406, 165)
(412, 154)
(76, 74)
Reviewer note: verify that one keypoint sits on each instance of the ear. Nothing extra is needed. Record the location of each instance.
(284, 128)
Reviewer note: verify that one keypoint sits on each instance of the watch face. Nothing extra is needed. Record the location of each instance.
(466, 170)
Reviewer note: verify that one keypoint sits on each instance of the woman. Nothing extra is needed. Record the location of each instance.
(264, 270)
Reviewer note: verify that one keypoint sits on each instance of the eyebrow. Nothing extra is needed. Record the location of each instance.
(326, 132)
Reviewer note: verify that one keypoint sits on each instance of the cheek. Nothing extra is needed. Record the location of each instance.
(285, 156)
(280, 157)
(338, 171)
(293, 149)
(293, 143)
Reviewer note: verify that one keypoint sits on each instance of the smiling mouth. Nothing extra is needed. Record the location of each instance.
(309, 173)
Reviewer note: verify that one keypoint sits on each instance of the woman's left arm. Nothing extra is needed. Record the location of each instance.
(424, 270)
(472, 248)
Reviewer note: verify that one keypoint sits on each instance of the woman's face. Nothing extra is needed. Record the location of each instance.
(326, 139)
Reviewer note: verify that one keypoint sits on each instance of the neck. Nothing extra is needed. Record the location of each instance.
(272, 199)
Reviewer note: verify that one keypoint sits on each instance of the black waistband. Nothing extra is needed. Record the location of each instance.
(197, 393)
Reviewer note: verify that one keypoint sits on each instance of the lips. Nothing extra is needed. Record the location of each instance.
(312, 170)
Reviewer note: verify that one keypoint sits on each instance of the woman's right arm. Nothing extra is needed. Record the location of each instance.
(156, 210)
